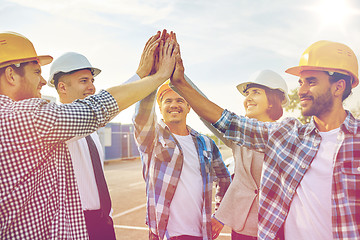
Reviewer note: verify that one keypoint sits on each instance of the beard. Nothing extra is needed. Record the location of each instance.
(320, 105)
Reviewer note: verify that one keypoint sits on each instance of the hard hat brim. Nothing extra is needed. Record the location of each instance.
(242, 86)
(43, 60)
(164, 88)
(296, 71)
(95, 72)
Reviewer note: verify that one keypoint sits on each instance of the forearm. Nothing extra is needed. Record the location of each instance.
(200, 104)
(129, 93)
(144, 121)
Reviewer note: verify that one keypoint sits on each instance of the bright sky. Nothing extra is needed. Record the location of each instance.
(222, 42)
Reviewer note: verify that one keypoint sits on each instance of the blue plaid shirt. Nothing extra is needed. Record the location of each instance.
(162, 160)
(289, 148)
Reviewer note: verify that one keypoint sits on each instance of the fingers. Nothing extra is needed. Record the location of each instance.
(151, 40)
(153, 46)
(170, 47)
(161, 49)
(176, 49)
(164, 35)
(174, 37)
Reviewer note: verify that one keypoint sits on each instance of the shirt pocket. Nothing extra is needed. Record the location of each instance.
(351, 180)
(164, 150)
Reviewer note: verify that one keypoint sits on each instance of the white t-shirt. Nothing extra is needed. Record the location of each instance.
(310, 211)
(186, 206)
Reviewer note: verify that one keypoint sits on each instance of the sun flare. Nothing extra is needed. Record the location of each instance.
(334, 12)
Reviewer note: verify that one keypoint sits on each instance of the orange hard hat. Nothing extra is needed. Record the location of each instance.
(328, 56)
(162, 90)
(15, 48)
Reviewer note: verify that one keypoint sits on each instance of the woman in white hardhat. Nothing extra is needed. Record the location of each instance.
(266, 94)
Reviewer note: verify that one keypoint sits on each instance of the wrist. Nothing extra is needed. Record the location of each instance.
(141, 73)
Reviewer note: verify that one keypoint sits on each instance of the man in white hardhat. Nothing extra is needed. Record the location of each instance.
(39, 196)
(73, 77)
(311, 172)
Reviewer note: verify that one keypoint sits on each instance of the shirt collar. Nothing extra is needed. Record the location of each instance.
(350, 125)
(191, 131)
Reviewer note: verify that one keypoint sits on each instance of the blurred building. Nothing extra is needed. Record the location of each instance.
(118, 141)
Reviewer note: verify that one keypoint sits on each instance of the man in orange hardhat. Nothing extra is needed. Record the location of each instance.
(179, 166)
(39, 197)
(311, 172)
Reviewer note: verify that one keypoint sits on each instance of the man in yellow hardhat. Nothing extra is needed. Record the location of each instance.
(39, 197)
(311, 173)
(179, 165)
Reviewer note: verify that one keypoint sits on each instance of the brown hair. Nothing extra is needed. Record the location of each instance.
(275, 97)
(17, 69)
(58, 75)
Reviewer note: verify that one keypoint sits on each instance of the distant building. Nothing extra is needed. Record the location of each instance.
(118, 141)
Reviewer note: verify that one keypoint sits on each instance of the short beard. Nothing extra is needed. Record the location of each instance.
(321, 105)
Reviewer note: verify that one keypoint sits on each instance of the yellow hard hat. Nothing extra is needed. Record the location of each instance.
(328, 56)
(162, 90)
(15, 48)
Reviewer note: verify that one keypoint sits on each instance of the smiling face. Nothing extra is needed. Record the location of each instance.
(31, 82)
(77, 85)
(174, 108)
(315, 93)
(256, 104)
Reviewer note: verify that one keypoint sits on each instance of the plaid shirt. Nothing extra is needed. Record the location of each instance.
(39, 198)
(289, 148)
(162, 161)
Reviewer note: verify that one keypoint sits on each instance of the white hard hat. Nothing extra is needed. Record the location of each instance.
(68, 62)
(268, 79)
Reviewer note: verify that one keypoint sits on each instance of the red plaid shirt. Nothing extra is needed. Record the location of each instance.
(39, 198)
(289, 148)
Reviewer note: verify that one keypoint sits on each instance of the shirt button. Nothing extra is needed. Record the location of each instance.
(303, 166)
(272, 235)
(291, 191)
(358, 169)
(283, 212)
(256, 191)
(316, 144)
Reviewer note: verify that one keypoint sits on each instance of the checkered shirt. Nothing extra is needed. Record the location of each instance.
(289, 148)
(162, 160)
(39, 198)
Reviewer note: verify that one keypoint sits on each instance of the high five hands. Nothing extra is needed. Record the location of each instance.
(159, 55)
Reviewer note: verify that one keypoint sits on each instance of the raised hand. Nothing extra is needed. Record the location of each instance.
(178, 74)
(167, 52)
(164, 35)
(148, 56)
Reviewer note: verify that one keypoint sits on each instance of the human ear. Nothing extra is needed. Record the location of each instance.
(61, 87)
(10, 76)
(339, 87)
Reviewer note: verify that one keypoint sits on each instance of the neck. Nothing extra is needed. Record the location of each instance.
(331, 120)
(178, 129)
(64, 100)
(264, 119)
(7, 90)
